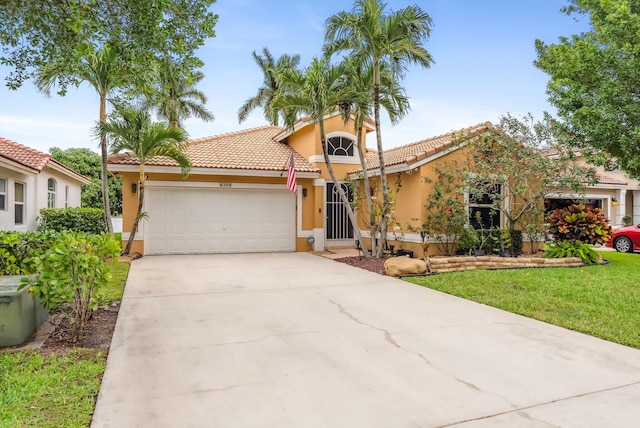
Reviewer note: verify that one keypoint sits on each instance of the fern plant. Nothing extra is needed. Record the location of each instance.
(564, 249)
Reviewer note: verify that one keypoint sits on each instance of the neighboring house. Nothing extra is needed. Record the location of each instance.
(616, 194)
(29, 181)
(235, 198)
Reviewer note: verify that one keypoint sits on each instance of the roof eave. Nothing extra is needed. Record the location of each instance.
(212, 171)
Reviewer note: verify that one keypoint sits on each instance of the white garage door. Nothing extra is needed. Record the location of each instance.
(212, 220)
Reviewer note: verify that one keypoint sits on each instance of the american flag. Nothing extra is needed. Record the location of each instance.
(291, 175)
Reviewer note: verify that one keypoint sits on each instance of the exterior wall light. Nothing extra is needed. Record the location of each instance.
(134, 187)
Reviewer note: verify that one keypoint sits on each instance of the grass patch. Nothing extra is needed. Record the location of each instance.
(119, 273)
(49, 390)
(601, 300)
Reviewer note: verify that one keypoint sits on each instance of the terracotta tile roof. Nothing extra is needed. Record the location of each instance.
(604, 179)
(26, 156)
(34, 159)
(251, 149)
(419, 150)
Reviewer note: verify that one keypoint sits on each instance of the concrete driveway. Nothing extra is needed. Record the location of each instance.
(295, 340)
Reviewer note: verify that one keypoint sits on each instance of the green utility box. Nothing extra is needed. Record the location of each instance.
(21, 314)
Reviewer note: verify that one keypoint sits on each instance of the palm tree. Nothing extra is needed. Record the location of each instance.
(270, 87)
(315, 92)
(134, 132)
(358, 81)
(372, 35)
(175, 97)
(103, 71)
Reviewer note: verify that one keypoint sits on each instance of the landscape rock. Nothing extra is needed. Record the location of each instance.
(397, 266)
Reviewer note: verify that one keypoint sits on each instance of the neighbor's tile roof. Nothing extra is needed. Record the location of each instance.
(605, 179)
(26, 156)
(419, 150)
(251, 149)
(32, 158)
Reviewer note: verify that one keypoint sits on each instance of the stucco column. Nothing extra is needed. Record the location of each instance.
(318, 229)
(621, 208)
(636, 206)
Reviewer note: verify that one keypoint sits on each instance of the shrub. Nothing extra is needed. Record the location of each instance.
(563, 249)
(16, 247)
(516, 242)
(446, 213)
(72, 270)
(468, 241)
(77, 219)
(580, 223)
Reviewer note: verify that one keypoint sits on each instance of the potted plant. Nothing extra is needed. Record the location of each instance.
(483, 239)
(627, 220)
(503, 240)
(468, 241)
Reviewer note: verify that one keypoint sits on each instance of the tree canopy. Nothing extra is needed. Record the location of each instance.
(88, 163)
(37, 32)
(133, 131)
(375, 36)
(271, 70)
(595, 82)
(525, 159)
(175, 96)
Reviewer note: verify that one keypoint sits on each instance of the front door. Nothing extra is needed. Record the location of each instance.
(339, 230)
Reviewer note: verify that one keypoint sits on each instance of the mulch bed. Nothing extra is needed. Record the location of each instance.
(97, 335)
(371, 264)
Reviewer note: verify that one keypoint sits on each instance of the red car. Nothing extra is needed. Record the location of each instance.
(626, 239)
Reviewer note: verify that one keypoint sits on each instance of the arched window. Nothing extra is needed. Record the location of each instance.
(340, 146)
(51, 193)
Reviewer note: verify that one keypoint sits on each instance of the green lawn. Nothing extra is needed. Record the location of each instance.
(119, 273)
(49, 391)
(602, 301)
(54, 390)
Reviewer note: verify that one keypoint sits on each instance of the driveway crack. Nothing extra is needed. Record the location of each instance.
(388, 336)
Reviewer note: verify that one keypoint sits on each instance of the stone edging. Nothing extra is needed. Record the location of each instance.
(455, 264)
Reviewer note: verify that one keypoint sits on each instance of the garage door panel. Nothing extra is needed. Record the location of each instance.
(197, 220)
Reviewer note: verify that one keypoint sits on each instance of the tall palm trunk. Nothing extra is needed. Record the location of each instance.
(105, 173)
(383, 174)
(343, 196)
(367, 190)
(136, 222)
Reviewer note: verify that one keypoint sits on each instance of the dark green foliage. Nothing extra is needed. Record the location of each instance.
(593, 82)
(564, 249)
(468, 241)
(516, 242)
(72, 270)
(88, 163)
(88, 220)
(581, 223)
(15, 247)
(38, 32)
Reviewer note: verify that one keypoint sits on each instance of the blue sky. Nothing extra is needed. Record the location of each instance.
(483, 52)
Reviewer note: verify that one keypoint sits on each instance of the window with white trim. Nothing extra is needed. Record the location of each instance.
(66, 196)
(340, 146)
(3, 194)
(483, 212)
(51, 193)
(19, 205)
